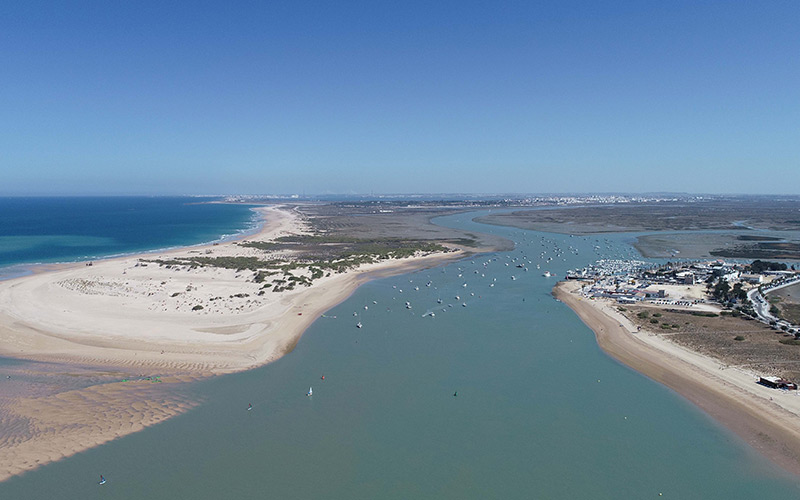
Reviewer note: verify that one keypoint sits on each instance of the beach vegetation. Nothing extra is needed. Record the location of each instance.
(654, 321)
(198, 307)
(707, 314)
(738, 338)
(465, 242)
(261, 276)
(260, 245)
(319, 255)
(643, 315)
(329, 247)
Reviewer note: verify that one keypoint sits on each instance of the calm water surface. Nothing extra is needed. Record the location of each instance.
(540, 411)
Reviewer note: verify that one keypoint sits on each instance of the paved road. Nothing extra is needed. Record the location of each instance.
(761, 306)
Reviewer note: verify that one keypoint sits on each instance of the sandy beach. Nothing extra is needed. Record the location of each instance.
(765, 418)
(131, 318)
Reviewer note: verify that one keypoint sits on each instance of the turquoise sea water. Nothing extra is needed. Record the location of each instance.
(45, 229)
(540, 411)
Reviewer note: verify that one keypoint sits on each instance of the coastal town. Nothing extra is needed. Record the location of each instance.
(696, 289)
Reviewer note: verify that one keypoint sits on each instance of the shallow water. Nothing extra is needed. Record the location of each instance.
(540, 411)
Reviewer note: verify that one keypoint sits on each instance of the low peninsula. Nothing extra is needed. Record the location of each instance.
(109, 346)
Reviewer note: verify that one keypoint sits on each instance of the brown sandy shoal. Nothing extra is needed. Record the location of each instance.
(766, 419)
(38, 430)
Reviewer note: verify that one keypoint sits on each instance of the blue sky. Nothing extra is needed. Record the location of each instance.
(391, 97)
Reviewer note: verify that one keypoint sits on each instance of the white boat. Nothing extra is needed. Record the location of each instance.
(358, 325)
(546, 274)
(102, 480)
(310, 392)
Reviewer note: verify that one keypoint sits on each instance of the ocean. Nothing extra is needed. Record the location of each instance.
(502, 393)
(66, 229)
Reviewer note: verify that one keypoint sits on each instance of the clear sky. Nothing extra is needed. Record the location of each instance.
(201, 97)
